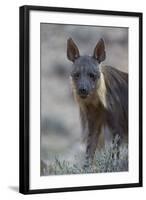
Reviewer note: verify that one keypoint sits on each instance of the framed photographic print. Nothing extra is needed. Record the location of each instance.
(80, 99)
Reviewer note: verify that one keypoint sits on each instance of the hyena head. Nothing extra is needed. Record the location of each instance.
(86, 69)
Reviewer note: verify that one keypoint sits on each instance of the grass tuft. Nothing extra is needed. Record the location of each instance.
(104, 161)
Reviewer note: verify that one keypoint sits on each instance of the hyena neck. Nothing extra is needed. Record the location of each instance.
(102, 91)
(92, 114)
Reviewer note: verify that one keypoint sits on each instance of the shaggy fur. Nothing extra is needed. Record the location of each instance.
(102, 95)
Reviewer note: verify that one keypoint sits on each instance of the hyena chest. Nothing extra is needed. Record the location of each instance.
(93, 120)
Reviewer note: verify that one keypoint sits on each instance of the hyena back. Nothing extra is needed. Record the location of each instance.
(102, 95)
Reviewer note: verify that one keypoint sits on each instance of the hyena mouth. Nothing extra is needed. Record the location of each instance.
(83, 96)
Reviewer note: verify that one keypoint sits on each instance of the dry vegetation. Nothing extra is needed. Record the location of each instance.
(103, 162)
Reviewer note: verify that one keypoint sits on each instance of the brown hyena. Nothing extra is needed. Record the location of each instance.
(102, 96)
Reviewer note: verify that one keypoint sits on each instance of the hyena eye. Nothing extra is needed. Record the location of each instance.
(76, 75)
(92, 76)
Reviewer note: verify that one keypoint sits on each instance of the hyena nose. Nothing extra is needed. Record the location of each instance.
(83, 91)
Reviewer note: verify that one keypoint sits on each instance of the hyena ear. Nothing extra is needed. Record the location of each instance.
(99, 51)
(72, 50)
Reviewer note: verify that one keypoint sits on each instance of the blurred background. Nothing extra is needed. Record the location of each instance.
(60, 122)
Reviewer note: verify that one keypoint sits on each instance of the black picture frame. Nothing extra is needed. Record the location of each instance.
(24, 122)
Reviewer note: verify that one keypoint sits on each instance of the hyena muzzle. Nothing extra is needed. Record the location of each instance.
(102, 95)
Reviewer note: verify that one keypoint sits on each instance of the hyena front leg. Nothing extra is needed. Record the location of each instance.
(116, 142)
(91, 148)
